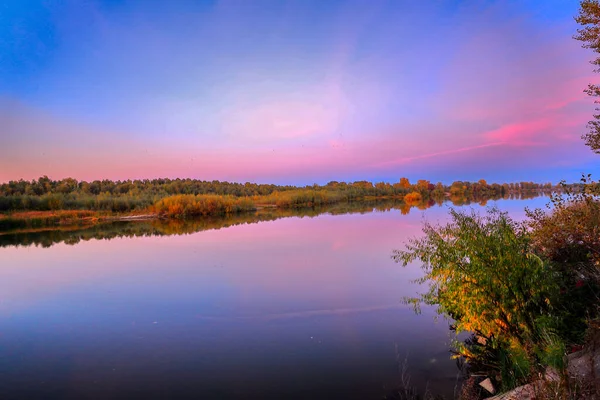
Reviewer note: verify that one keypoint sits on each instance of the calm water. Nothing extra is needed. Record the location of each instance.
(292, 308)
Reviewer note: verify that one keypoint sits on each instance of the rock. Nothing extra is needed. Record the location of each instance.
(585, 363)
(526, 392)
(552, 375)
(487, 385)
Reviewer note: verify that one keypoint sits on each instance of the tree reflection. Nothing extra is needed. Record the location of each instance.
(166, 227)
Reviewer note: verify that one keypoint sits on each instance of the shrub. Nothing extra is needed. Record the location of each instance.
(413, 198)
(188, 205)
(483, 274)
(570, 235)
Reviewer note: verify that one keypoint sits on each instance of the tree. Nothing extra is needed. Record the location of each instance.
(404, 183)
(413, 198)
(482, 272)
(589, 34)
(438, 190)
(67, 185)
(458, 188)
(422, 185)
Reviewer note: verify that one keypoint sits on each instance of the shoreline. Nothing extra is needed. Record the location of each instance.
(48, 220)
(35, 221)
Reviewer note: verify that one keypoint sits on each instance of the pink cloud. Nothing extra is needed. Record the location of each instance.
(523, 133)
(552, 128)
(496, 75)
(406, 160)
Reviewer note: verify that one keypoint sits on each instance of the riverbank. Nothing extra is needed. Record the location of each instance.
(580, 380)
(180, 207)
(31, 220)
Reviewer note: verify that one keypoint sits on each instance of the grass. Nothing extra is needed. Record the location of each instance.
(183, 206)
(40, 219)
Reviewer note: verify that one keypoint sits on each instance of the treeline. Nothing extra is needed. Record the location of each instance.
(32, 232)
(178, 208)
(123, 196)
(38, 228)
(149, 187)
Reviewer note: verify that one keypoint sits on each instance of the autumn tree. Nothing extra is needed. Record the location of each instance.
(422, 185)
(404, 183)
(458, 188)
(413, 198)
(383, 188)
(589, 35)
(439, 190)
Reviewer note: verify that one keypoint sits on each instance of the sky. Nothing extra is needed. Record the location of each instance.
(294, 91)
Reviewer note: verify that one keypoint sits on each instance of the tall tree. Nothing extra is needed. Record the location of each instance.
(589, 34)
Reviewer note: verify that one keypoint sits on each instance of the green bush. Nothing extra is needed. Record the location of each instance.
(482, 272)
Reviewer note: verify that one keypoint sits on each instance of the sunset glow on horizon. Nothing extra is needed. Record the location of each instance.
(293, 92)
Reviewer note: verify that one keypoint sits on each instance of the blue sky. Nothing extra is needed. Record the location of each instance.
(293, 91)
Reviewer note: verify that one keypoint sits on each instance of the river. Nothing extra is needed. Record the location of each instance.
(301, 307)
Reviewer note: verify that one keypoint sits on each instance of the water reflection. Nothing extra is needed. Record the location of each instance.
(290, 308)
(73, 235)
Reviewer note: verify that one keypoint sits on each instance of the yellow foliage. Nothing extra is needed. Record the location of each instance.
(185, 205)
(413, 198)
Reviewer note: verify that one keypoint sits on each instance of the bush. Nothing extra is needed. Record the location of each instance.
(181, 206)
(413, 198)
(483, 274)
(570, 235)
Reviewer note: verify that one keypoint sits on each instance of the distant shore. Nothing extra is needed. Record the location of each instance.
(46, 203)
(63, 218)
(179, 208)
